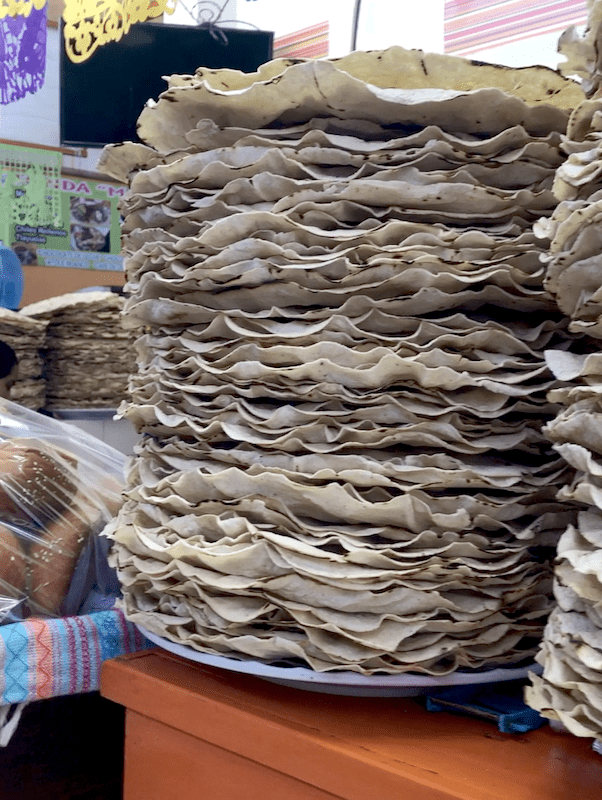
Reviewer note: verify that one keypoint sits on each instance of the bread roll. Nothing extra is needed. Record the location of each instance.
(53, 557)
(13, 565)
(34, 486)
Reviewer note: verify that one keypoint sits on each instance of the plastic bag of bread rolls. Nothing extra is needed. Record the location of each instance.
(12, 575)
(59, 487)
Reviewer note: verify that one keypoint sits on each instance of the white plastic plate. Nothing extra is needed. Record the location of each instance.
(348, 683)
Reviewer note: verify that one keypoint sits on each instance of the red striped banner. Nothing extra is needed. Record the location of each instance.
(472, 25)
(309, 42)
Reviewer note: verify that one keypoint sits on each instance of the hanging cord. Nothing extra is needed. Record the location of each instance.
(355, 24)
(207, 14)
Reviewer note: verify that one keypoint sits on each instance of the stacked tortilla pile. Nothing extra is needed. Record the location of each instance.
(341, 378)
(570, 689)
(27, 338)
(88, 353)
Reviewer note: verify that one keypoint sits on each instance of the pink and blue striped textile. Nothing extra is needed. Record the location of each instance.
(42, 658)
(473, 25)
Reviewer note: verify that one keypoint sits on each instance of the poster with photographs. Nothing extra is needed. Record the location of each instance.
(88, 236)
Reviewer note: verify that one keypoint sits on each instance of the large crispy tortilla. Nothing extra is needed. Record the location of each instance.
(405, 88)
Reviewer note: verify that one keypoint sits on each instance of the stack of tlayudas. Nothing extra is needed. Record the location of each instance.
(88, 353)
(570, 689)
(341, 385)
(27, 338)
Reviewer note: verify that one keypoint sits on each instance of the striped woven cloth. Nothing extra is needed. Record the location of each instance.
(41, 658)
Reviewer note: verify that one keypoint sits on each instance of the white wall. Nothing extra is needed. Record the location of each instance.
(185, 11)
(541, 49)
(418, 24)
(288, 17)
(382, 23)
(35, 118)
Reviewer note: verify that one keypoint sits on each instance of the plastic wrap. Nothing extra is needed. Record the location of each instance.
(59, 487)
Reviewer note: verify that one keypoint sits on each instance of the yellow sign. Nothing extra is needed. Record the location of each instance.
(21, 8)
(88, 24)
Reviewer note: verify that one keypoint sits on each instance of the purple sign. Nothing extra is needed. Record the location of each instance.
(22, 55)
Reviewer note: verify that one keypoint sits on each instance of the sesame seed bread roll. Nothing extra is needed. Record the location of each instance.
(13, 565)
(34, 486)
(53, 557)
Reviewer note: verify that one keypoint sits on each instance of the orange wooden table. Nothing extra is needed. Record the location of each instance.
(200, 733)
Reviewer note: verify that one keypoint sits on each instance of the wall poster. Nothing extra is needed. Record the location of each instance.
(88, 236)
(55, 220)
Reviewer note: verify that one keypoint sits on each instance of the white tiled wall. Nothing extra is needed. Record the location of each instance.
(119, 434)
